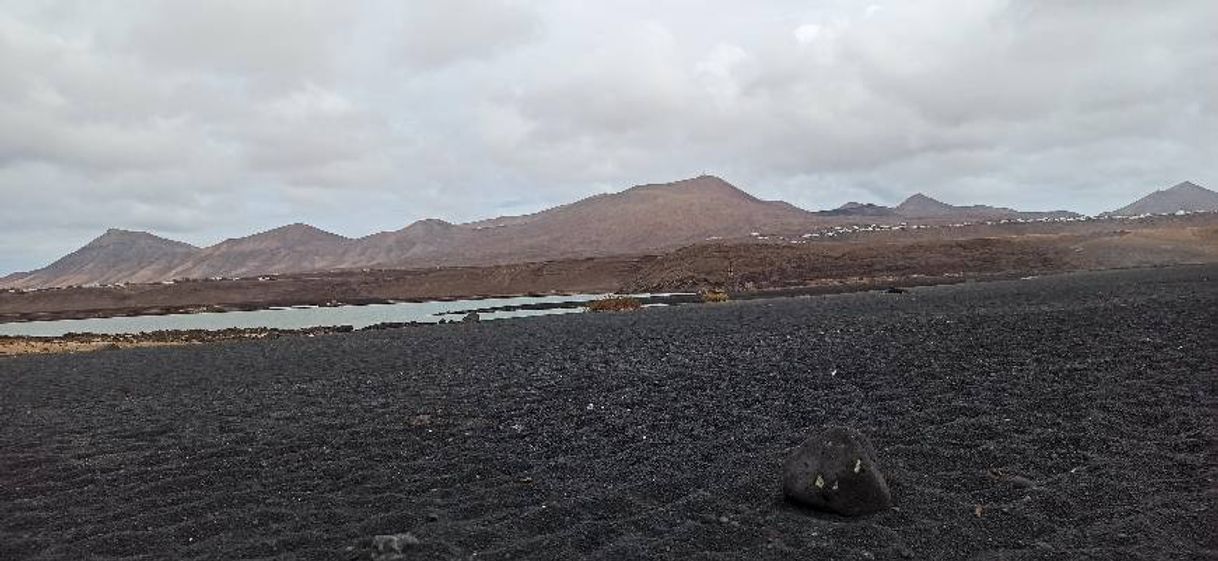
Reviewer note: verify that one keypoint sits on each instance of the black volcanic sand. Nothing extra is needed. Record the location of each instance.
(1064, 417)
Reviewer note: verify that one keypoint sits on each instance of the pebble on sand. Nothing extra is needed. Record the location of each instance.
(835, 470)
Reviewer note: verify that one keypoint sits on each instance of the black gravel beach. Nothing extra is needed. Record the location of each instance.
(1064, 417)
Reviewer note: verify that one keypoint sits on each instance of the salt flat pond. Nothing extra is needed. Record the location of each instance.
(311, 316)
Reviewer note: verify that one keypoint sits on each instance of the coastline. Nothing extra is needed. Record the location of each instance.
(11, 346)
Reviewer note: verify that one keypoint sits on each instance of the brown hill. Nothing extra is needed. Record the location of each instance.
(292, 248)
(425, 242)
(644, 219)
(1187, 197)
(856, 209)
(920, 206)
(116, 256)
(641, 219)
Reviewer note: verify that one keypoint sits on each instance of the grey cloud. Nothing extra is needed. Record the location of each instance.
(205, 120)
(439, 33)
(282, 40)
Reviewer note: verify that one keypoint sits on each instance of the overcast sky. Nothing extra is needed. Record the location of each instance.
(201, 120)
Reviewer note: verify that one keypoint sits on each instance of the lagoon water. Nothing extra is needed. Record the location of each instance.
(302, 317)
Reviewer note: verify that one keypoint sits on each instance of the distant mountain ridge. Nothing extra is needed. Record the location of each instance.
(1186, 196)
(116, 256)
(853, 208)
(642, 219)
(292, 248)
(922, 206)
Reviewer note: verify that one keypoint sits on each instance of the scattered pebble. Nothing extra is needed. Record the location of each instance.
(394, 543)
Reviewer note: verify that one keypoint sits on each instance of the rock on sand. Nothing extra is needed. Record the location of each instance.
(835, 470)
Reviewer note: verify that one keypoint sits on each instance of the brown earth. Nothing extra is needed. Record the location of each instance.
(645, 219)
(355, 287)
(925, 256)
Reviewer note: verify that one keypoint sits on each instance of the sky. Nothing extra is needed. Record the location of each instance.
(204, 120)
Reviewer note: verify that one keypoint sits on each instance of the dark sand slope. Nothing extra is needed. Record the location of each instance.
(657, 434)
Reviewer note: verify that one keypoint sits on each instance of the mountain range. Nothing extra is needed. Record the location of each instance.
(642, 219)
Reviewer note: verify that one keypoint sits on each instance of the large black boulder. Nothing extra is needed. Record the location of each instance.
(835, 470)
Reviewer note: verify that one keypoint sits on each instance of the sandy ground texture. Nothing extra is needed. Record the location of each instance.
(1066, 417)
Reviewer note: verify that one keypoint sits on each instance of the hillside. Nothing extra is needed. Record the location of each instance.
(292, 248)
(641, 219)
(856, 209)
(116, 256)
(1186, 196)
(920, 206)
(645, 219)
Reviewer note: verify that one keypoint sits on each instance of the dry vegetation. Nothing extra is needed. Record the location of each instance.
(614, 304)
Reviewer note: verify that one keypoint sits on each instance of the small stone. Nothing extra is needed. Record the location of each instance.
(394, 543)
(1021, 481)
(835, 470)
(471, 317)
(433, 517)
(723, 520)
(1018, 481)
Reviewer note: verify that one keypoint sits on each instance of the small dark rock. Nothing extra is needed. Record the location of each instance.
(895, 290)
(384, 325)
(835, 470)
(471, 317)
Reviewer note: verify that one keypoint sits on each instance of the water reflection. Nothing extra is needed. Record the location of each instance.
(302, 317)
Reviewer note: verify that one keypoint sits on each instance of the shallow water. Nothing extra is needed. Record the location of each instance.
(302, 317)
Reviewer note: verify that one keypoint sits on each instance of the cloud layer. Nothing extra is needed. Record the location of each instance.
(203, 120)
